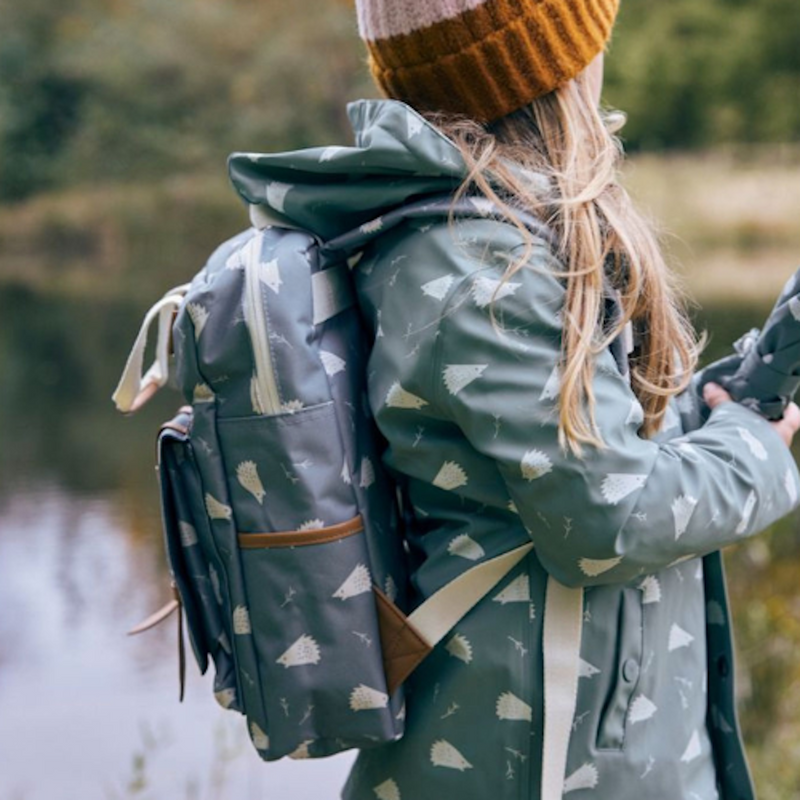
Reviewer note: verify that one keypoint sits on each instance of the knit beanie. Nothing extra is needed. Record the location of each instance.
(482, 58)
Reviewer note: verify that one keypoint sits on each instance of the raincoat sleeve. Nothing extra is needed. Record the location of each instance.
(637, 505)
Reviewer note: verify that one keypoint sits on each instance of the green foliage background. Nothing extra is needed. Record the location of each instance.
(118, 90)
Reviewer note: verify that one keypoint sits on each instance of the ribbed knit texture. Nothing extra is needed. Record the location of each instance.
(483, 59)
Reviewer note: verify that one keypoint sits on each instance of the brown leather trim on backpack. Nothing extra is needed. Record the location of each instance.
(402, 645)
(302, 538)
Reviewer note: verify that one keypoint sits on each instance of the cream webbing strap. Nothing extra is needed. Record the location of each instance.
(563, 624)
(434, 619)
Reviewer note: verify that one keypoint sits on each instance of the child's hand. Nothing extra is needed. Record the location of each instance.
(786, 427)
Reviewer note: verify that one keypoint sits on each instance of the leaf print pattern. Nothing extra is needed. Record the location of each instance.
(247, 475)
(585, 777)
(484, 289)
(535, 464)
(682, 510)
(597, 566)
(443, 754)
(304, 651)
(465, 547)
(617, 486)
(458, 376)
(438, 288)
(398, 397)
(359, 581)
(756, 447)
(747, 512)
(678, 637)
(450, 476)
(510, 707)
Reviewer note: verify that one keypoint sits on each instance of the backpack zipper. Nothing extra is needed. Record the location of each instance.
(266, 398)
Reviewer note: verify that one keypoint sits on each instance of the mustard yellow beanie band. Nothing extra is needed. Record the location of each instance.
(482, 58)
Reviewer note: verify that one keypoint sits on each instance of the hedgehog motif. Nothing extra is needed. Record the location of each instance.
(756, 448)
(390, 588)
(586, 670)
(241, 620)
(585, 777)
(466, 547)
(367, 473)
(414, 124)
(215, 584)
(747, 512)
(518, 591)
(276, 195)
(678, 637)
(552, 386)
(352, 262)
(301, 751)
(345, 474)
(450, 476)
(682, 509)
(617, 485)
(483, 205)
(457, 376)
(484, 289)
(597, 566)
(363, 698)
(187, 533)
(359, 581)
(635, 413)
(714, 613)
(269, 273)
(509, 706)
(512, 507)
(443, 754)
(329, 153)
(438, 288)
(459, 647)
(260, 739)
(304, 651)
(651, 590)
(217, 510)
(642, 709)
(225, 697)
(693, 749)
(331, 363)
(202, 393)
(398, 397)
(199, 317)
(790, 486)
(388, 790)
(311, 525)
(247, 475)
(290, 406)
(372, 227)
(534, 464)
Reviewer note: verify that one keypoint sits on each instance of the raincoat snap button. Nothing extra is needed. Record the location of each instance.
(630, 670)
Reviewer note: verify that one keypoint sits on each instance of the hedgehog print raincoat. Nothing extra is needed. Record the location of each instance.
(468, 408)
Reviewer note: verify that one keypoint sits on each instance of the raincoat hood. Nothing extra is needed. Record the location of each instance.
(398, 157)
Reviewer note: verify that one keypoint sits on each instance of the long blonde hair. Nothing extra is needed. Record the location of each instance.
(565, 138)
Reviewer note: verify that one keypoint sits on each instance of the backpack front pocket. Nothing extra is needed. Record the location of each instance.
(313, 616)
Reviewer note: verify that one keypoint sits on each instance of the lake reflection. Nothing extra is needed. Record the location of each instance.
(87, 712)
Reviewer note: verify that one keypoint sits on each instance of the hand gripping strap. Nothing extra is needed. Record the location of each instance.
(563, 623)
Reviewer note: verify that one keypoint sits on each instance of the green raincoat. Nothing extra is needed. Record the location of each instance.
(469, 412)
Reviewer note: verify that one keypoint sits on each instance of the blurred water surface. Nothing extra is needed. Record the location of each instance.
(89, 713)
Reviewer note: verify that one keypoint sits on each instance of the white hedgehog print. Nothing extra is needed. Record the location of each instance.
(390, 588)
(586, 670)
(459, 647)
(678, 637)
(483, 290)
(247, 475)
(345, 474)
(642, 709)
(747, 512)
(304, 651)
(597, 566)
(450, 476)
(359, 581)
(329, 153)
(260, 739)
(466, 547)
(301, 751)
(414, 124)
(510, 707)
(617, 485)
(269, 273)
(443, 754)
(635, 413)
(693, 749)
(202, 393)
(535, 464)
(364, 698)
(438, 288)
(372, 227)
(714, 613)
(276, 195)
(217, 510)
(367, 474)
(241, 621)
(398, 397)
(552, 386)
(651, 590)
(388, 790)
(457, 376)
(215, 584)
(225, 697)
(311, 525)
(199, 317)
(518, 591)
(331, 363)
(584, 777)
(682, 509)
(188, 534)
